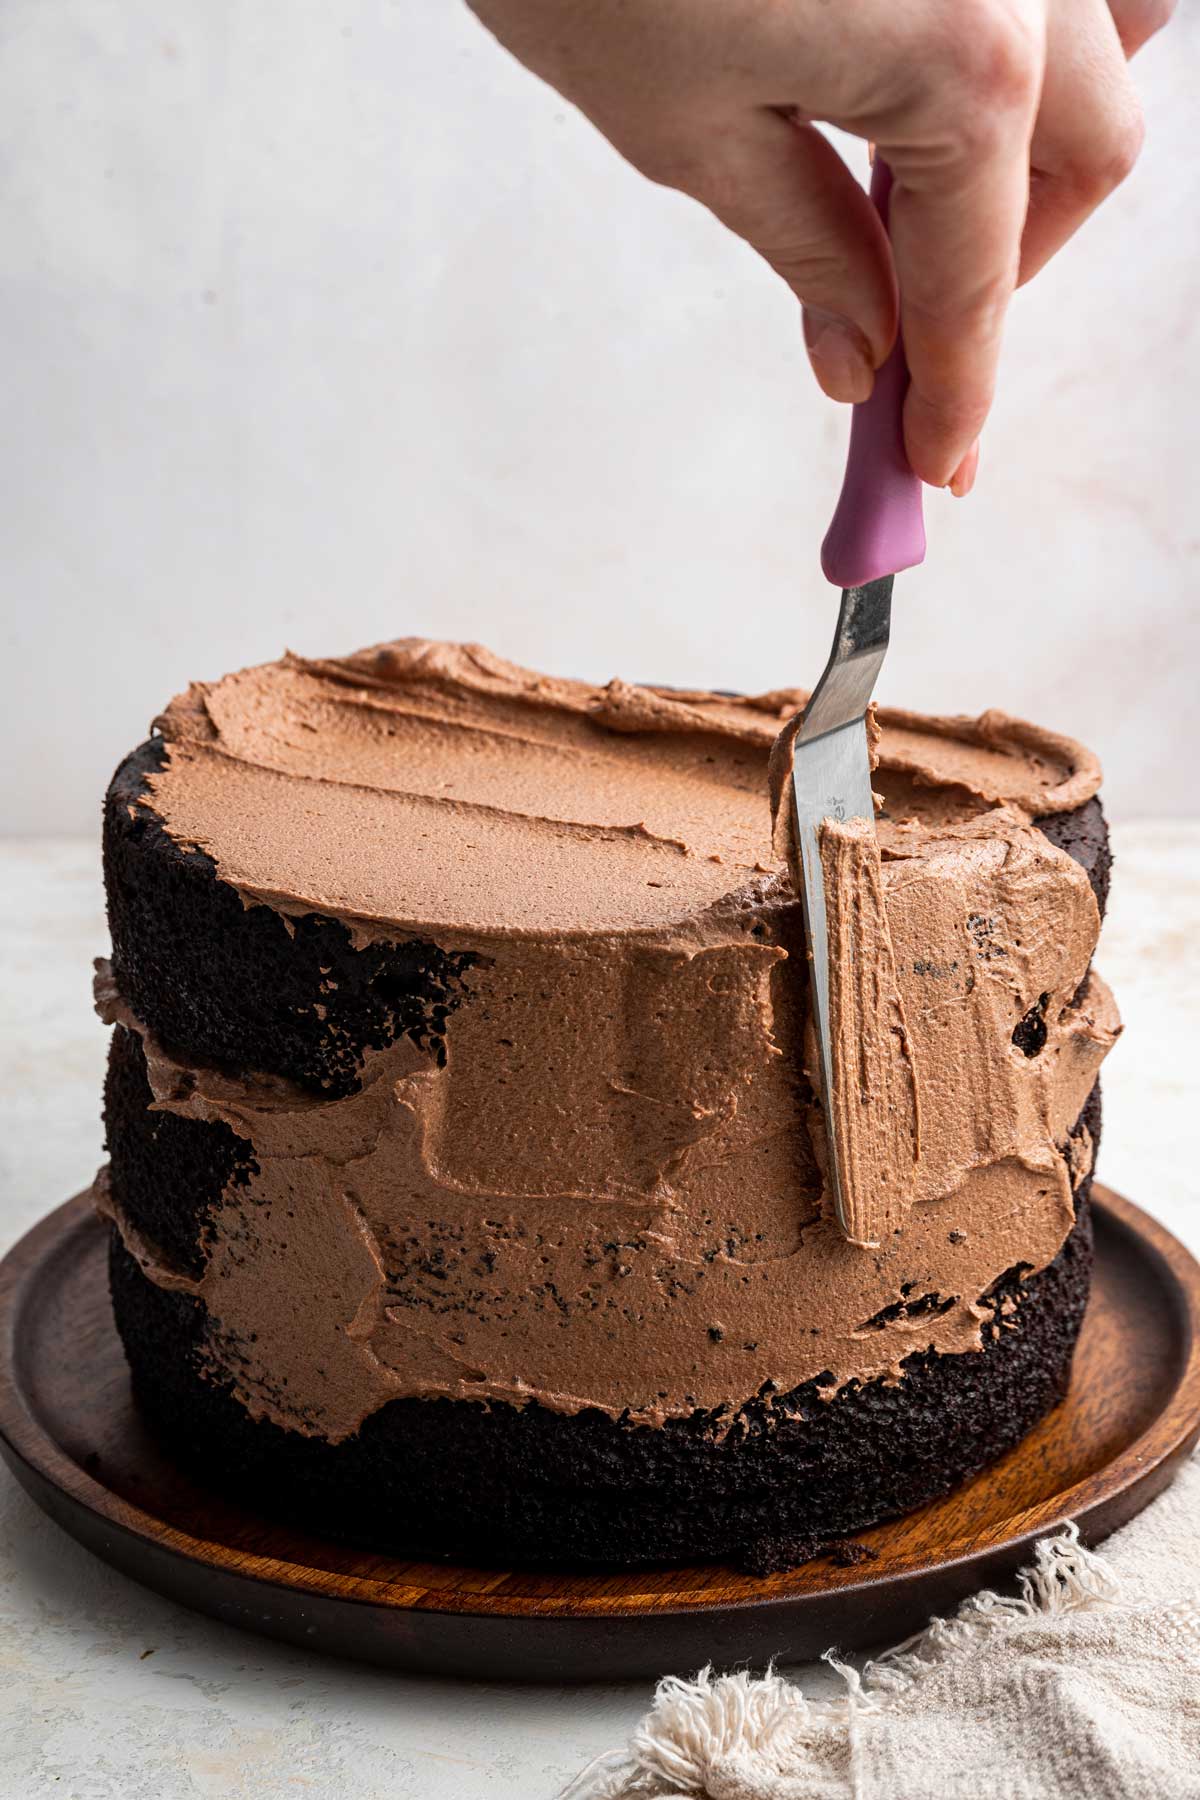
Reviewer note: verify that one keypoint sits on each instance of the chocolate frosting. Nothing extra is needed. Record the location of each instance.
(874, 1113)
(610, 1194)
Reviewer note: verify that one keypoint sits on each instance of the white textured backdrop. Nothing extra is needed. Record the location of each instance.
(322, 322)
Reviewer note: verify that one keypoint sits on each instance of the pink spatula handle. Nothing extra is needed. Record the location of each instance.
(878, 528)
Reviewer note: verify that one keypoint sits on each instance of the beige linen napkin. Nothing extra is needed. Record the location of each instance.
(1084, 1686)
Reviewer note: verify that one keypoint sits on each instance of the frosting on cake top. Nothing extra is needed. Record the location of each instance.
(433, 787)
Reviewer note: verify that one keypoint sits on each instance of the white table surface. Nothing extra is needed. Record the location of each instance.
(109, 1693)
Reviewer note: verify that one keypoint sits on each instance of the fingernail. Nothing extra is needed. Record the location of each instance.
(839, 354)
(963, 478)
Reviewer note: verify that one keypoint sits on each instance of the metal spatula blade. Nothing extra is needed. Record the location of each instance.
(831, 779)
(877, 530)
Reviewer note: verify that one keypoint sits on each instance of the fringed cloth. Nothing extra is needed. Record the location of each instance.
(1085, 1685)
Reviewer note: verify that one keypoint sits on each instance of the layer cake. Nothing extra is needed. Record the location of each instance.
(465, 1176)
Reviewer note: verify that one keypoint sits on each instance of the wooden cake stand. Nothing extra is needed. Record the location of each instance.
(69, 1431)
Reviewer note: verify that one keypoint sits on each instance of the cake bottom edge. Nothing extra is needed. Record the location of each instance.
(498, 1485)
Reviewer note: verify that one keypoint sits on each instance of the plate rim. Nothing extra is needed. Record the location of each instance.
(30, 1448)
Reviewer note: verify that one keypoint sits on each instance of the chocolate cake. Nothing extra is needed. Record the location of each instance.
(465, 1176)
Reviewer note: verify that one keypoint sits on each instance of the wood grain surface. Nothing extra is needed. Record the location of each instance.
(69, 1431)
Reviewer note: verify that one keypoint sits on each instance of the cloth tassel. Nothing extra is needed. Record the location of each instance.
(738, 1736)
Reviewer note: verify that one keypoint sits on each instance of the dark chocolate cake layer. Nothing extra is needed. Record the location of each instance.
(1083, 834)
(231, 985)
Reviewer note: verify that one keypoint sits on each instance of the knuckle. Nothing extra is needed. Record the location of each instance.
(1109, 159)
(952, 419)
(671, 152)
(669, 164)
(995, 56)
(1139, 20)
(953, 333)
(812, 269)
(976, 317)
(1126, 147)
(939, 434)
(698, 165)
(981, 133)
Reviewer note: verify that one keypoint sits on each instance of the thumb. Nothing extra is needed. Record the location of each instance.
(783, 187)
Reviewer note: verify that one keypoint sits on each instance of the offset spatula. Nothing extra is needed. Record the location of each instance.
(877, 530)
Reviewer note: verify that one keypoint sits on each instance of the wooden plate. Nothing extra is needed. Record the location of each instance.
(73, 1439)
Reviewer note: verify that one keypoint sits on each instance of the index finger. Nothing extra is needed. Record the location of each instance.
(957, 212)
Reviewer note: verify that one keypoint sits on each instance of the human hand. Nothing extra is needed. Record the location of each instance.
(1005, 123)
